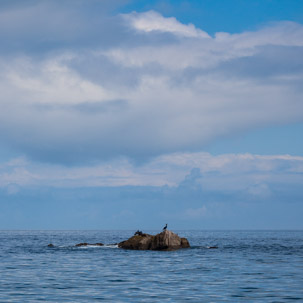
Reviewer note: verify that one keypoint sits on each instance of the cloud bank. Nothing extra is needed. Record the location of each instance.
(189, 190)
(104, 117)
(154, 86)
(252, 174)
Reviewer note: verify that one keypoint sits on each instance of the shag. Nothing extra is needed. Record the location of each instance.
(138, 233)
(165, 227)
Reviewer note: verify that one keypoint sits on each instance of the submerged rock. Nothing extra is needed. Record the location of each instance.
(166, 240)
(88, 244)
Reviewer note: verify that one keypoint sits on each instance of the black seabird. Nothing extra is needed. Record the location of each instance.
(164, 228)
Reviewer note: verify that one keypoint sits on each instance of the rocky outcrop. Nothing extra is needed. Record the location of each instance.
(139, 242)
(166, 240)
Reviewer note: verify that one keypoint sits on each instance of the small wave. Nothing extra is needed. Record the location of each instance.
(61, 247)
(88, 246)
(205, 247)
(110, 246)
(98, 246)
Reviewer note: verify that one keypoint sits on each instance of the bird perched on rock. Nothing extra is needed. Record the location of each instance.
(165, 227)
(138, 233)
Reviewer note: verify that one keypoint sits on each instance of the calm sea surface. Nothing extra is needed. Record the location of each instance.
(248, 266)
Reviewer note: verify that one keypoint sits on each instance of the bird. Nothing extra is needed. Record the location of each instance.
(164, 228)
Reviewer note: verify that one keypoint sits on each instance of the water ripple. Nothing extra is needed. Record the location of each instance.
(246, 266)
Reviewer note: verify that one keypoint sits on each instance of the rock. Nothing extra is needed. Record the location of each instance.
(139, 242)
(87, 244)
(166, 240)
(50, 245)
(184, 243)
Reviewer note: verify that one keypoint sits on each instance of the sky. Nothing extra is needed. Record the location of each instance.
(121, 114)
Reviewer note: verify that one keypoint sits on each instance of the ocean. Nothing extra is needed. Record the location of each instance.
(247, 266)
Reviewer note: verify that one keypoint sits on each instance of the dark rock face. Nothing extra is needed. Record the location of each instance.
(139, 242)
(166, 240)
(87, 244)
(184, 243)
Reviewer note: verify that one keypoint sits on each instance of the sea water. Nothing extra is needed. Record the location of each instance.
(247, 266)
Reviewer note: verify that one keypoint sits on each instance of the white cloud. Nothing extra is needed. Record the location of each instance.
(206, 53)
(153, 21)
(279, 33)
(152, 97)
(227, 172)
(47, 82)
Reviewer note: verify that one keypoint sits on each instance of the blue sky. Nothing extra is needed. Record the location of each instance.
(132, 114)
